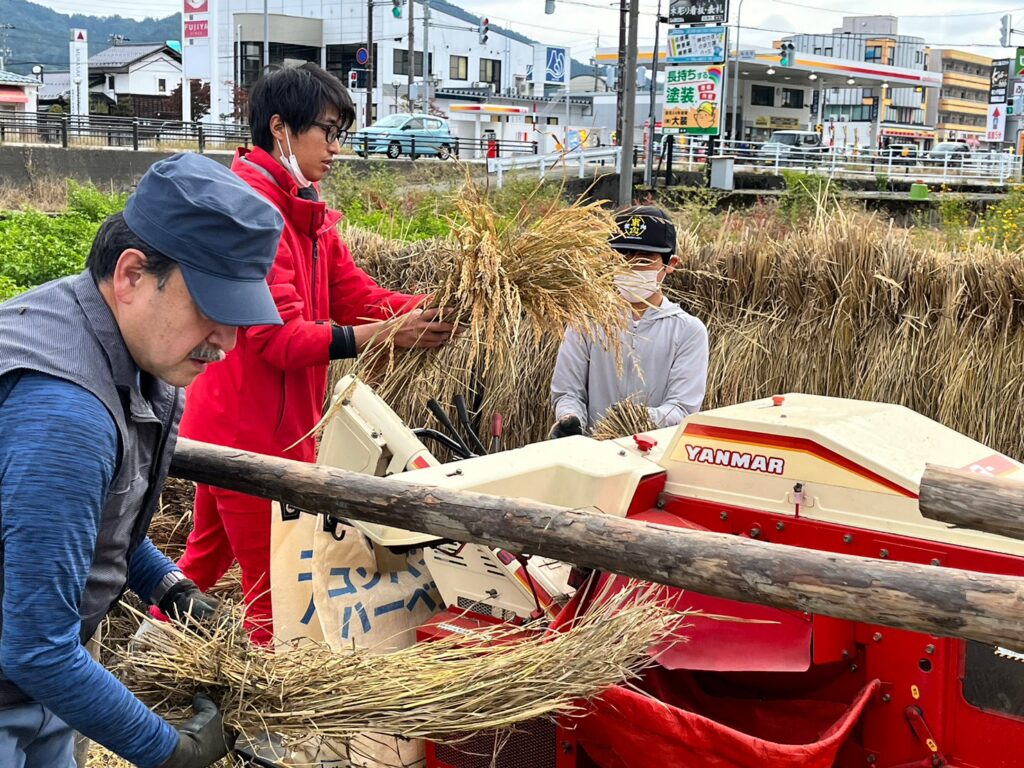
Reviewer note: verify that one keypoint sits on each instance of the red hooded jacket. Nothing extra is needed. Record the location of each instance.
(270, 389)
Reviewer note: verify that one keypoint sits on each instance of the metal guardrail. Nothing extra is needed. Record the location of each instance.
(121, 132)
(395, 146)
(982, 167)
(543, 163)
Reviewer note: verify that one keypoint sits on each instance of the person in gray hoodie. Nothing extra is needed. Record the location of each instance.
(664, 350)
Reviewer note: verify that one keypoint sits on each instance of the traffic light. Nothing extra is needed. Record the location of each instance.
(786, 56)
(485, 30)
(1004, 30)
(396, 9)
(549, 6)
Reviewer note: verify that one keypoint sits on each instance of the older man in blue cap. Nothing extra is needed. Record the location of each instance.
(91, 370)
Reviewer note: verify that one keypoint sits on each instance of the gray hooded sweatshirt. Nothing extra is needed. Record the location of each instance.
(664, 365)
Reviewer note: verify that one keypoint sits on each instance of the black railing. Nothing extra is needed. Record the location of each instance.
(137, 133)
(125, 132)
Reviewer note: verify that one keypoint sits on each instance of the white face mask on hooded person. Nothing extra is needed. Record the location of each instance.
(291, 163)
(639, 285)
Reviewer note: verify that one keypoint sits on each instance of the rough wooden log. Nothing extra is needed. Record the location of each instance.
(939, 601)
(969, 500)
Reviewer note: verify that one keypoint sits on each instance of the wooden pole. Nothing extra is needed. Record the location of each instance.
(933, 600)
(969, 500)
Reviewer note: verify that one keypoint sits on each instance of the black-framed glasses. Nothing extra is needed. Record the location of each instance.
(333, 133)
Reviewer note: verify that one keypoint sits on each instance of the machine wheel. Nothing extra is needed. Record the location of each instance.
(394, 150)
(444, 152)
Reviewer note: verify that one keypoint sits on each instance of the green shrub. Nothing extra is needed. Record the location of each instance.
(94, 205)
(1004, 223)
(806, 194)
(9, 288)
(36, 248)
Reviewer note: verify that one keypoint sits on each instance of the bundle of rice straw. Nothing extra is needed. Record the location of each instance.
(515, 284)
(441, 690)
(624, 418)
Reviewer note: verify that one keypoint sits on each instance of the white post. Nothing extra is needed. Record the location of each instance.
(215, 80)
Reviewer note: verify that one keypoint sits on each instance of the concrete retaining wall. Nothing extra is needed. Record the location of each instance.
(121, 169)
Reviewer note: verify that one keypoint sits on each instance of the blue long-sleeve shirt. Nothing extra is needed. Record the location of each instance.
(58, 456)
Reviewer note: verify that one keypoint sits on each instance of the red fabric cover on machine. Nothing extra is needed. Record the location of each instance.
(627, 729)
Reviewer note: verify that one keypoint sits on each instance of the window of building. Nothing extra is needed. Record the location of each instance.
(552, 121)
(817, 50)
(873, 53)
(762, 95)
(792, 98)
(110, 82)
(490, 72)
(341, 60)
(401, 62)
(458, 68)
(827, 52)
(161, 85)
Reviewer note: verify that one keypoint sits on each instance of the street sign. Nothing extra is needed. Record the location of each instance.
(999, 81)
(1018, 63)
(696, 45)
(698, 11)
(693, 96)
(79, 72)
(362, 56)
(1018, 89)
(995, 123)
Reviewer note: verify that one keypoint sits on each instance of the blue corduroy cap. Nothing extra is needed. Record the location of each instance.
(223, 235)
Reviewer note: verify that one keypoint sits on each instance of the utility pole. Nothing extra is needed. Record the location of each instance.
(266, 36)
(4, 50)
(426, 56)
(369, 62)
(736, 77)
(649, 165)
(628, 108)
(412, 53)
(621, 69)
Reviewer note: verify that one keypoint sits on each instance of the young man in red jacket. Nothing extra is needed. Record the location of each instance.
(270, 390)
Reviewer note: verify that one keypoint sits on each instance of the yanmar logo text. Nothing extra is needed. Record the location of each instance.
(754, 462)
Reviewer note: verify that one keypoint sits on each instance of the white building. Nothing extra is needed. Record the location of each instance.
(17, 93)
(508, 68)
(146, 73)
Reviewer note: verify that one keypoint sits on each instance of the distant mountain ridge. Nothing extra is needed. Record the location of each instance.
(40, 34)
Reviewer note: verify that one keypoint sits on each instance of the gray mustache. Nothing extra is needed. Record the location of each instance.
(208, 354)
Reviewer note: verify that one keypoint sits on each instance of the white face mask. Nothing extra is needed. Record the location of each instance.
(638, 286)
(289, 161)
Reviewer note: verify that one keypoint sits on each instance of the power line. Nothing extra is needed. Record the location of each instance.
(901, 16)
(866, 36)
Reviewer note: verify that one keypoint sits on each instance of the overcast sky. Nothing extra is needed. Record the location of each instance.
(578, 23)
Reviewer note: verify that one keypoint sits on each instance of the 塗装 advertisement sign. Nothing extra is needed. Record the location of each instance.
(696, 45)
(693, 96)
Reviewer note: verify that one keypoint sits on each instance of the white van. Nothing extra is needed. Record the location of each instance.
(791, 146)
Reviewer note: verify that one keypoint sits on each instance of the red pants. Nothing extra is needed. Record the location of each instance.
(231, 526)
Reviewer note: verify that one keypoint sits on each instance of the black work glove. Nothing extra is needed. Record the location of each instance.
(202, 740)
(184, 600)
(566, 427)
